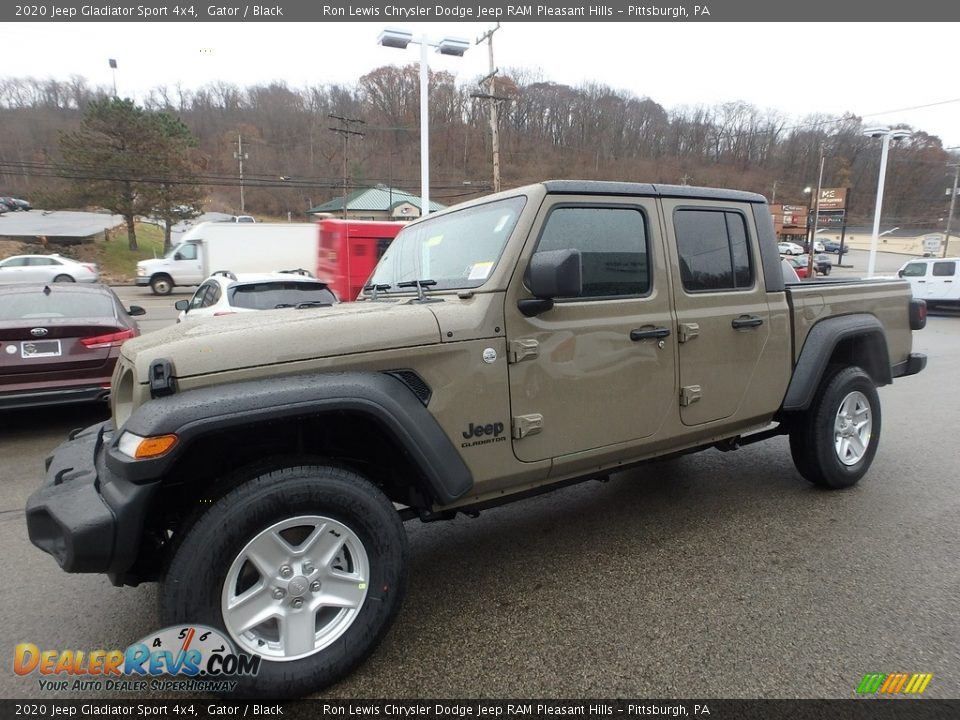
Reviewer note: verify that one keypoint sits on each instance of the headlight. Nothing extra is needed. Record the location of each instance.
(141, 271)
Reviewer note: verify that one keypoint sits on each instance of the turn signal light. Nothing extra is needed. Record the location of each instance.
(143, 448)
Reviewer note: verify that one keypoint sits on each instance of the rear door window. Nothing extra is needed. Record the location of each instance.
(714, 252)
(944, 269)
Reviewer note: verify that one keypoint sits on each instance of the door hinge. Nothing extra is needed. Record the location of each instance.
(519, 350)
(687, 331)
(524, 425)
(689, 395)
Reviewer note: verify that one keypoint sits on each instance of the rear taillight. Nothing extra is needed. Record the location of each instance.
(111, 340)
(918, 314)
(92, 267)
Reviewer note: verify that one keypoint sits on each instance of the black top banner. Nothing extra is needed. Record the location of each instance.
(187, 11)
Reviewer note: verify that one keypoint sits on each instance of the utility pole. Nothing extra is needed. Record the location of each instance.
(491, 96)
(345, 132)
(240, 156)
(953, 199)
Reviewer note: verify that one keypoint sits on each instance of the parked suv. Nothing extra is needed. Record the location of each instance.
(936, 280)
(225, 293)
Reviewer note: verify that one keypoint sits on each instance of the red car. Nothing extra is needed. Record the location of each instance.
(798, 264)
(59, 342)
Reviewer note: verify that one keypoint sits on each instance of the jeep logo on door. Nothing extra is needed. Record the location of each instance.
(38, 332)
(489, 432)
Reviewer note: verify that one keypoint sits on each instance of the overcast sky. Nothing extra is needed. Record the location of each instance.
(876, 71)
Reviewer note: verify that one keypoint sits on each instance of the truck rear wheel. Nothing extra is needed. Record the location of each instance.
(161, 285)
(834, 442)
(302, 566)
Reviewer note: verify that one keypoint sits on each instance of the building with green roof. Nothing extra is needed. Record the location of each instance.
(375, 203)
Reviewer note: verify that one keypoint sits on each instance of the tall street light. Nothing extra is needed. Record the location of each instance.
(886, 135)
(113, 67)
(392, 37)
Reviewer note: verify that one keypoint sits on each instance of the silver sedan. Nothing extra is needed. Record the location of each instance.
(45, 269)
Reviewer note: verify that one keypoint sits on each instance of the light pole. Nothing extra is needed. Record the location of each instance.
(113, 66)
(953, 199)
(886, 135)
(392, 37)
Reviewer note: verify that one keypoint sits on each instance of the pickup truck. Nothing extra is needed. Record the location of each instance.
(262, 467)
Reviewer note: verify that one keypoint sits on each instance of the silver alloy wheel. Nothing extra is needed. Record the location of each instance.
(295, 588)
(852, 428)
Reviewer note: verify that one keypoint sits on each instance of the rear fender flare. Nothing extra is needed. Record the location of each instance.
(819, 347)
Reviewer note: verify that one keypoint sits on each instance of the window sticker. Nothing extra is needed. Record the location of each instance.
(480, 270)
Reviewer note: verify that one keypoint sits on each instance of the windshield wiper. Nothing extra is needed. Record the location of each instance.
(313, 303)
(419, 285)
(374, 288)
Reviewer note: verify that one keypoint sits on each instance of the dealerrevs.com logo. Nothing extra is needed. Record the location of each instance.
(196, 657)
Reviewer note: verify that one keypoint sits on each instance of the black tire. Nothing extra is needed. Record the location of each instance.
(829, 450)
(161, 284)
(196, 587)
(826, 270)
(63, 278)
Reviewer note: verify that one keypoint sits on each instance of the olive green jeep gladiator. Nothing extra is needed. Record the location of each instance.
(261, 465)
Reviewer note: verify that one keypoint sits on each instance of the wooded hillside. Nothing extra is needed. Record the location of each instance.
(547, 130)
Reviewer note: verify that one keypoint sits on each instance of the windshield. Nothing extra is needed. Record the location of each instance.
(173, 251)
(459, 250)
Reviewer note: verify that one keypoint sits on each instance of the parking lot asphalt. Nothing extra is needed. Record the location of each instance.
(713, 575)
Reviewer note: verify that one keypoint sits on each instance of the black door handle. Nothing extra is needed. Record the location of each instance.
(652, 334)
(746, 321)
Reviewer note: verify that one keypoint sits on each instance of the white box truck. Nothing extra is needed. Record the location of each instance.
(237, 247)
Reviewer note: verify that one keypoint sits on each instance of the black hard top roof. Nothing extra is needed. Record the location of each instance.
(603, 187)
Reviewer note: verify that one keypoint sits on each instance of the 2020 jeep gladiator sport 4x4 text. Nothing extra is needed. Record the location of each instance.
(261, 465)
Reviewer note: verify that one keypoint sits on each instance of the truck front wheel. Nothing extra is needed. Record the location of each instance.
(834, 441)
(161, 284)
(302, 566)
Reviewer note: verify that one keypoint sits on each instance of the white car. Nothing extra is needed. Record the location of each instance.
(224, 293)
(789, 248)
(46, 269)
(818, 246)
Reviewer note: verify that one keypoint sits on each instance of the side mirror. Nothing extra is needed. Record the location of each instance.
(899, 273)
(182, 304)
(136, 310)
(555, 274)
(552, 274)
(177, 256)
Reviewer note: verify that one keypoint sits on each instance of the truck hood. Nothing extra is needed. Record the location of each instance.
(153, 262)
(285, 335)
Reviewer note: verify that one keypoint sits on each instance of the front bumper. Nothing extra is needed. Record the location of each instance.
(57, 396)
(87, 517)
(142, 281)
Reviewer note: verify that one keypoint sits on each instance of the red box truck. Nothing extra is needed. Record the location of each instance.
(349, 250)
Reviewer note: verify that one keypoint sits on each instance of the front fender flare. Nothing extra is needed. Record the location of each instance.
(380, 396)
